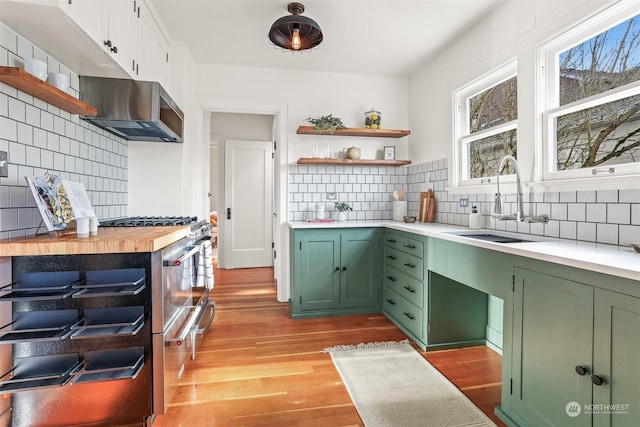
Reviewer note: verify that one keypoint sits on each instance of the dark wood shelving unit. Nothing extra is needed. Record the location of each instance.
(27, 83)
(372, 133)
(349, 162)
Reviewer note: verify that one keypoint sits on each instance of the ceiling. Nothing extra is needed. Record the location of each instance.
(388, 38)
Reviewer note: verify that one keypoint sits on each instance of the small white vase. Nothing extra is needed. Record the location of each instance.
(342, 216)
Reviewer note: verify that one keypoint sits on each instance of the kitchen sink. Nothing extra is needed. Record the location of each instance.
(491, 237)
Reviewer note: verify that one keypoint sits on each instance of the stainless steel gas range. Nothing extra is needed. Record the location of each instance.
(181, 311)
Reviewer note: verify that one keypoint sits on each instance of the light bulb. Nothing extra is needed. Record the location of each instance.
(296, 44)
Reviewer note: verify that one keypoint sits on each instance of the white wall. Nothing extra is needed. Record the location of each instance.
(513, 31)
(312, 94)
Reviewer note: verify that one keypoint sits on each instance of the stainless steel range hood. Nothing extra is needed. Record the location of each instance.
(133, 110)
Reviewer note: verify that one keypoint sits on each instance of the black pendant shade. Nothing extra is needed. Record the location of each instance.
(295, 32)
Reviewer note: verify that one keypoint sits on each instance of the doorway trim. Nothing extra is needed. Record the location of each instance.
(278, 108)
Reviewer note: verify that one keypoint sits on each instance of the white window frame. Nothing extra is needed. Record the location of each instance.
(462, 136)
(547, 99)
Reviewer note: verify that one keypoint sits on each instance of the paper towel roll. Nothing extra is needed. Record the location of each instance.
(399, 210)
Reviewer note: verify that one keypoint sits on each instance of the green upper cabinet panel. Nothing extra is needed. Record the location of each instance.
(336, 272)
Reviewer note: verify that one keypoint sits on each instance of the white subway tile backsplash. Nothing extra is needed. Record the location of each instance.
(576, 212)
(619, 213)
(629, 196)
(596, 212)
(607, 233)
(635, 214)
(586, 231)
(40, 138)
(628, 234)
(607, 196)
(586, 196)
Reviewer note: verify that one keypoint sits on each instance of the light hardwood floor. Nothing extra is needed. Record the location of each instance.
(258, 367)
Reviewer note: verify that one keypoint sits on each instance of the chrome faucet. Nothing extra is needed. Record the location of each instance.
(519, 215)
(498, 205)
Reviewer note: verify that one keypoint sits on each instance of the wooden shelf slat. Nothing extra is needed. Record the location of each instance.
(374, 133)
(346, 162)
(32, 85)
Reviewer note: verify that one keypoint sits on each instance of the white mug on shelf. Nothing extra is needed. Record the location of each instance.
(82, 227)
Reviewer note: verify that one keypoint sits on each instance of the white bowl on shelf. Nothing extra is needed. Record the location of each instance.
(36, 67)
(58, 80)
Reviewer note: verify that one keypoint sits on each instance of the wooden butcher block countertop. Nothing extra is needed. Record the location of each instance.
(108, 240)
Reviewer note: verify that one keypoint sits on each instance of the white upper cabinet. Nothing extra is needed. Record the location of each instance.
(111, 24)
(152, 52)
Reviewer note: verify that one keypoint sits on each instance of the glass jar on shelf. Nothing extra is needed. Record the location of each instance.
(372, 119)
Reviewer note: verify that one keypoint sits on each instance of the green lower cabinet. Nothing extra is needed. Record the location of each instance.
(616, 359)
(567, 338)
(335, 272)
(435, 311)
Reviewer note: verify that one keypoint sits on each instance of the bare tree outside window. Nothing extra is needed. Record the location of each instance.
(608, 133)
(495, 106)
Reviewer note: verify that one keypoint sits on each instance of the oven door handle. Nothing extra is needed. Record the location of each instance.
(182, 259)
(188, 325)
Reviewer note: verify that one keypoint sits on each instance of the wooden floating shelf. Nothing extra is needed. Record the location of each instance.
(32, 85)
(347, 162)
(374, 133)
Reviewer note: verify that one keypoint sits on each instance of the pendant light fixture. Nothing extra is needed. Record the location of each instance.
(295, 32)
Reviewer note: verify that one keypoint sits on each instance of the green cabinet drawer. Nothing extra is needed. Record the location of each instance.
(393, 241)
(406, 286)
(413, 247)
(403, 311)
(405, 263)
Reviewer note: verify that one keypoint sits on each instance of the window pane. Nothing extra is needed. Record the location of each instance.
(494, 106)
(485, 153)
(604, 135)
(609, 60)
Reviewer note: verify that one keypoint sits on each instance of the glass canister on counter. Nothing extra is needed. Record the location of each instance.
(372, 119)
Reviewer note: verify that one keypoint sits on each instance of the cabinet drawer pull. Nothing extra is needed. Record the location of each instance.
(390, 301)
(408, 315)
(391, 257)
(409, 265)
(410, 289)
(597, 380)
(393, 279)
(581, 370)
(409, 246)
(391, 241)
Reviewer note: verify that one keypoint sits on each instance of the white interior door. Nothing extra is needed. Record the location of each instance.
(248, 204)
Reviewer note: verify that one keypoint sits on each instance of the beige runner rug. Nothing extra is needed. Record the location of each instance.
(392, 385)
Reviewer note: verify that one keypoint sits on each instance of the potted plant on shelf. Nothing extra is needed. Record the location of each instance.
(328, 123)
(342, 209)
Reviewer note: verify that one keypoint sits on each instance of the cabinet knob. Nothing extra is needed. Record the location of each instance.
(337, 268)
(597, 380)
(344, 268)
(581, 370)
(107, 43)
(114, 49)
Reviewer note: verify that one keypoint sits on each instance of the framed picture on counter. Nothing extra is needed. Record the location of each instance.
(390, 153)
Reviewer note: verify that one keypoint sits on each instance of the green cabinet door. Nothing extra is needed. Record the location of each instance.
(361, 268)
(318, 270)
(616, 359)
(552, 334)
